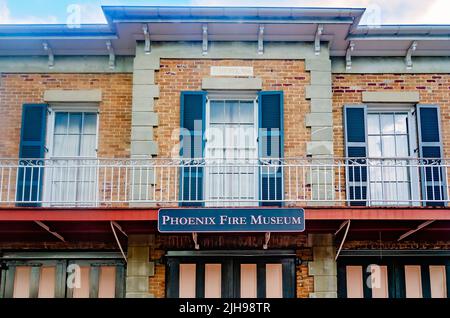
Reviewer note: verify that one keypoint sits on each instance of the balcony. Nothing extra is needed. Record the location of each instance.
(75, 182)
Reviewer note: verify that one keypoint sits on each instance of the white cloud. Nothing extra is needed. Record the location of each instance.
(391, 11)
(384, 11)
(436, 12)
(4, 12)
(91, 13)
(7, 18)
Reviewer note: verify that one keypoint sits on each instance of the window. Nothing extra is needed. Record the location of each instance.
(438, 278)
(391, 138)
(62, 278)
(413, 281)
(385, 148)
(393, 277)
(231, 151)
(230, 276)
(72, 176)
(231, 145)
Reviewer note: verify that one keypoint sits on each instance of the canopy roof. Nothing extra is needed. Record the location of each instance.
(176, 23)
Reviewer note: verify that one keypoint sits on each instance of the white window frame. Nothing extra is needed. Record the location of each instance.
(413, 144)
(64, 108)
(231, 96)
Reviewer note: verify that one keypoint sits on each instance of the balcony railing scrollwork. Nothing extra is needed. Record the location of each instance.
(218, 182)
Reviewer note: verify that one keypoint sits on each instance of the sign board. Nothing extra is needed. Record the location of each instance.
(189, 220)
(232, 71)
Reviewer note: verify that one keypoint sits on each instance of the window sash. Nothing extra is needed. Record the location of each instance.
(61, 289)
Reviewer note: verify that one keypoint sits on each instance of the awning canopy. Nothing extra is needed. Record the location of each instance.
(125, 24)
(85, 225)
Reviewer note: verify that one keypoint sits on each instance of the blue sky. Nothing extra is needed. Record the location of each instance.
(384, 11)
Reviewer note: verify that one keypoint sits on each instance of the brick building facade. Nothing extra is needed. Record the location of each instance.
(97, 143)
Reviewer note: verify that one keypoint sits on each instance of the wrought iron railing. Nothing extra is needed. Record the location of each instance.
(242, 182)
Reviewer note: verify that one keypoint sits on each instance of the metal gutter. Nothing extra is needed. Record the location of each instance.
(128, 14)
(398, 37)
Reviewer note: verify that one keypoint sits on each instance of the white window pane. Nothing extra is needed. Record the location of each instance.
(413, 281)
(403, 192)
(47, 282)
(389, 172)
(69, 191)
(376, 192)
(82, 290)
(217, 113)
(388, 145)
(187, 281)
(402, 146)
(88, 145)
(107, 282)
(379, 277)
(75, 123)
(354, 282)
(58, 145)
(374, 146)
(22, 282)
(72, 146)
(390, 192)
(66, 145)
(375, 173)
(387, 123)
(213, 280)
(373, 123)
(248, 281)
(246, 137)
(246, 112)
(438, 282)
(232, 111)
(274, 281)
(61, 123)
(90, 123)
(215, 136)
(402, 173)
(401, 126)
(228, 110)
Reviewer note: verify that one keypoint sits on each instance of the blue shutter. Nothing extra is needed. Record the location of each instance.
(356, 147)
(32, 146)
(271, 146)
(433, 179)
(193, 105)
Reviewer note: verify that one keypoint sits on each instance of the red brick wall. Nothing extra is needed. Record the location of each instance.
(157, 283)
(348, 88)
(290, 76)
(305, 282)
(115, 108)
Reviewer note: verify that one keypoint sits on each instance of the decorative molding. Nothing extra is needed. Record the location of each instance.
(73, 96)
(147, 46)
(391, 97)
(348, 55)
(261, 40)
(51, 57)
(231, 71)
(319, 33)
(112, 55)
(409, 53)
(230, 83)
(205, 39)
